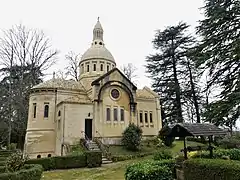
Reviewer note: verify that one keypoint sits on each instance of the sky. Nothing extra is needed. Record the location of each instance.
(129, 26)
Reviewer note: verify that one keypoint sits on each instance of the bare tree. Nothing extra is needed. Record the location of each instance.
(24, 56)
(129, 70)
(72, 68)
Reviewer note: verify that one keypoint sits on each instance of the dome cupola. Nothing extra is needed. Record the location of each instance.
(97, 59)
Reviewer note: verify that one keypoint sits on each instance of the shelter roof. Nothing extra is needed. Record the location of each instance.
(196, 129)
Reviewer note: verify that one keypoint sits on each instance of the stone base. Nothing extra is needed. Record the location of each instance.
(117, 140)
(112, 140)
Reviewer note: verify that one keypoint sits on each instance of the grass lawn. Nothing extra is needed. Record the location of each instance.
(114, 171)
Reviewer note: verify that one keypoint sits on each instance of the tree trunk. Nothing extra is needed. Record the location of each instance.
(194, 94)
(177, 88)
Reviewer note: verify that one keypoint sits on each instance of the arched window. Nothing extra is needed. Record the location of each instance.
(59, 113)
(82, 68)
(88, 68)
(49, 155)
(34, 110)
(101, 67)
(108, 114)
(38, 156)
(94, 67)
(107, 68)
(46, 111)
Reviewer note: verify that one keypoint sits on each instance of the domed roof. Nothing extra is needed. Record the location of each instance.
(60, 83)
(98, 49)
(98, 52)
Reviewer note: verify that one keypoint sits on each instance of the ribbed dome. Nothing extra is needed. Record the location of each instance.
(97, 52)
(98, 49)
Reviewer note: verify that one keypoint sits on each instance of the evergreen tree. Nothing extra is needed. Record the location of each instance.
(219, 54)
(167, 66)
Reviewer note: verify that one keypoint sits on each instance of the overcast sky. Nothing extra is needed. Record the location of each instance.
(129, 25)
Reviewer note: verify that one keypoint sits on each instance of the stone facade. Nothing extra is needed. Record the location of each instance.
(101, 104)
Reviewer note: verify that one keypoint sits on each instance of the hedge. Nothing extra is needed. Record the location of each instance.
(116, 158)
(94, 158)
(28, 172)
(233, 154)
(89, 158)
(211, 169)
(2, 169)
(150, 170)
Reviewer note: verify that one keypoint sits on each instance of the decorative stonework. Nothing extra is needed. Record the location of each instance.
(115, 94)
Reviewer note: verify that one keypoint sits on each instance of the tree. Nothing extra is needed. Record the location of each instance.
(129, 70)
(132, 136)
(73, 63)
(24, 55)
(219, 55)
(167, 66)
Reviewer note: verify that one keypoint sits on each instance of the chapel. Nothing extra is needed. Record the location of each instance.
(100, 105)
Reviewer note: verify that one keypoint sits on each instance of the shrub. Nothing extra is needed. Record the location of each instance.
(61, 162)
(211, 169)
(68, 162)
(233, 154)
(148, 170)
(94, 158)
(15, 161)
(12, 146)
(47, 163)
(28, 172)
(2, 169)
(163, 154)
(132, 136)
(229, 142)
(163, 135)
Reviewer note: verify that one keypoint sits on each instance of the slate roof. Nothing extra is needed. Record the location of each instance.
(59, 83)
(196, 129)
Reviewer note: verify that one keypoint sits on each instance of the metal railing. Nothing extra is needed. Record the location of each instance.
(87, 140)
(103, 147)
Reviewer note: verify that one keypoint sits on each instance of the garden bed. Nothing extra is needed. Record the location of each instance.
(28, 172)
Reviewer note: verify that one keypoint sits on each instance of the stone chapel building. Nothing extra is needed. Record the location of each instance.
(101, 104)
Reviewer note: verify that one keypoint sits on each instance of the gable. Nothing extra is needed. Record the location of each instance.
(146, 93)
(115, 75)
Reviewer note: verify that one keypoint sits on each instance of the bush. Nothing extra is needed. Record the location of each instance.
(148, 170)
(15, 161)
(132, 136)
(233, 154)
(94, 158)
(12, 146)
(2, 169)
(61, 162)
(163, 154)
(28, 172)
(211, 169)
(229, 142)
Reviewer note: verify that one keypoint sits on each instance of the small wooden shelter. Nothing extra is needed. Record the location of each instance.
(183, 130)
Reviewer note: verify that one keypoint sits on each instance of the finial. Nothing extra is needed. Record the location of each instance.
(98, 19)
(53, 74)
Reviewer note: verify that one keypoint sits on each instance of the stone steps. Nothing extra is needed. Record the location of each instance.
(105, 160)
